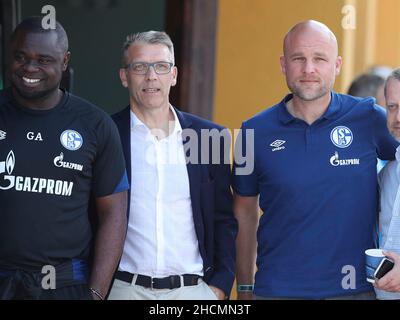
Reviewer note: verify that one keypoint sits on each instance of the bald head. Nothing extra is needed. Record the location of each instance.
(309, 28)
(310, 61)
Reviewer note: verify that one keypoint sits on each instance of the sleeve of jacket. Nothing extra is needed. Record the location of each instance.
(225, 224)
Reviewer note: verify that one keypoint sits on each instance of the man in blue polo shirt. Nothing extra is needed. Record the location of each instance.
(314, 178)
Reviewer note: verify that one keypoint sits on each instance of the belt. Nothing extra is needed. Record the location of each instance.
(171, 282)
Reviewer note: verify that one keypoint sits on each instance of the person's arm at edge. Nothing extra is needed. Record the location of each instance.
(247, 215)
(111, 212)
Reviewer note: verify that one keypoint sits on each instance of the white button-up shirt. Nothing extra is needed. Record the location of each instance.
(161, 238)
(389, 217)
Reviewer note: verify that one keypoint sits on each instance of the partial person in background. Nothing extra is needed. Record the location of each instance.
(383, 72)
(388, 287)
(370, 85)
(380, 70)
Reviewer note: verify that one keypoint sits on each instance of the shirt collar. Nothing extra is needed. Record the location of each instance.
(333, 108)
(136, 122)
(398, 154)
(177, 125)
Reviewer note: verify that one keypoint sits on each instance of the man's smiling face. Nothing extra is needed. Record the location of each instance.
(37, 64)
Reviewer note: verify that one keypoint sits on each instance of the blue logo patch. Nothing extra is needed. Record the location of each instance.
(71, 140)
(341, 137)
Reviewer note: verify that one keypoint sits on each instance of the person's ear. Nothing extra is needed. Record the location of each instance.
(67, 57)
(338, 65)
(123, 77)
(174, 75)
(283, 64)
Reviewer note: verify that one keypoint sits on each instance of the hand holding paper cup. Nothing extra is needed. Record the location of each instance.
(376, 264)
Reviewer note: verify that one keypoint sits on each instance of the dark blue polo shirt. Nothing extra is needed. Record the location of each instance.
(318, 193)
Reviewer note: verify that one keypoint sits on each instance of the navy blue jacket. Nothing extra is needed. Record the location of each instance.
(211, 197)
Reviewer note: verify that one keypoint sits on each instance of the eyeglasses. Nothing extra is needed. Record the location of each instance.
(160, 67)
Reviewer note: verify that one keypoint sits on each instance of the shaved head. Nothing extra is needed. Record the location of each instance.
(310, 60)
(310, 27)
(34, 25)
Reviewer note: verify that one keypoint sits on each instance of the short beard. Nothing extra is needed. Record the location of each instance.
(307, 97)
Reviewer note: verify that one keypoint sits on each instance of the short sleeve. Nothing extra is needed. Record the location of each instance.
(244, 180)
(109, 173)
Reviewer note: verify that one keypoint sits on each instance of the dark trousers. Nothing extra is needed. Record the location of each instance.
(70, 284)
(74, 292)
(35, 292)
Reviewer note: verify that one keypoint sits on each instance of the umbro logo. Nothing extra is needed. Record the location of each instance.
(2, 135)
(278, 145)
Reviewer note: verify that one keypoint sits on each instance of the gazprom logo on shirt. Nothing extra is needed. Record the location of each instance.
(71, 140)
(58, 162)
(341, 137)
(31, 184)
(335, 161)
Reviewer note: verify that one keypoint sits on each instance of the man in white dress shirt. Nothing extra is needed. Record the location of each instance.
(388, 287)
(180, 241)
